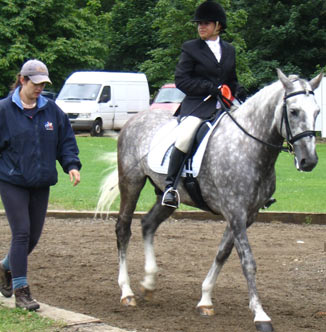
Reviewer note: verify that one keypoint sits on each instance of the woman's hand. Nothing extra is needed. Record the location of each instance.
(74, 176)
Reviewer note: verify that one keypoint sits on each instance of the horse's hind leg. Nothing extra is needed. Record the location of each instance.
(205, 305)
(129, 193)
(150, 223)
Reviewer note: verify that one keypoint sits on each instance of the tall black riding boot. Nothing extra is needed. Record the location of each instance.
(170, 197)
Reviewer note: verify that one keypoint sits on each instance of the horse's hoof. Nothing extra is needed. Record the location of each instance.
(206, 310)
(129, 301)
(147, 293)
(264, 326)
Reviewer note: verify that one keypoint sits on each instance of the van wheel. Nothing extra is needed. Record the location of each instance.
(97, 128)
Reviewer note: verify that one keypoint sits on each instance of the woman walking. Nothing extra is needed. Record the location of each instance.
(34, 133)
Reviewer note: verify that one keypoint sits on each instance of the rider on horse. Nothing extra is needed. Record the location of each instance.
(204, 66)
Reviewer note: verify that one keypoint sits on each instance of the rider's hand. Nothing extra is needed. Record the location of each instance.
(214, 91)
(241, 94)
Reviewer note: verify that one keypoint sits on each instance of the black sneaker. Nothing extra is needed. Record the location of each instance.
(24, 299)
(5, 282)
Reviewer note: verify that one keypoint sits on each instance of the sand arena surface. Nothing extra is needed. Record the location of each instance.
(75, 266)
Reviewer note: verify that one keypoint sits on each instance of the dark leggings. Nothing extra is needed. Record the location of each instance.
(26, 210)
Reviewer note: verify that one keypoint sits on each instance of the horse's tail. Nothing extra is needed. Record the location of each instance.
(109, 189)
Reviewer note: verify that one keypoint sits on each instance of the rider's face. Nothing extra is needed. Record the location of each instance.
(207, 30)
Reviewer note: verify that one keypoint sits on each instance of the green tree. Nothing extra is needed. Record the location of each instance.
(286, 34)
(105, 4)
(65, 37)
(171, 21)
(130, 36)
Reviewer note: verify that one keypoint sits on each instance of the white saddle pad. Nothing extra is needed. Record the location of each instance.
(159, 154)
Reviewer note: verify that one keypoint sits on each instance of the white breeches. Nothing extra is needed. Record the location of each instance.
(186, 132)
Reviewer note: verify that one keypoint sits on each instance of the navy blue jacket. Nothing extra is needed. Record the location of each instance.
(30, 146)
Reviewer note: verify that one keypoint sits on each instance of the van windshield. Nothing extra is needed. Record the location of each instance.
(79, 92)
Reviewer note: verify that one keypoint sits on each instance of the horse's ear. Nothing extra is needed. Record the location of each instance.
(285, 81)
(316, 81)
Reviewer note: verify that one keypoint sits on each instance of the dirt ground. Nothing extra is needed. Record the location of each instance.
(75, 267)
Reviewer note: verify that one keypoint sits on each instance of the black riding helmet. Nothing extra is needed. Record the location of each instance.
(210, 11)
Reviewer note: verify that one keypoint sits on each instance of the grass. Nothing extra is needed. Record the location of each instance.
(18, 320)
(295, 191)
(85, 195)
(300, 191)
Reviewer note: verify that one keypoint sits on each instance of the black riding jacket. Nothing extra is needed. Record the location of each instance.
(198, 74)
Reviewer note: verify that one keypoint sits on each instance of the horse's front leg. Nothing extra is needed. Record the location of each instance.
(262, 320)
(205, 305)
(150, 224)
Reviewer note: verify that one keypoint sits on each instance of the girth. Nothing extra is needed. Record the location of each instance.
(190, 182)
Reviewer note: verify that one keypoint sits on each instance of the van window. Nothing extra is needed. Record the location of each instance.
(105, 95)
(75, 91)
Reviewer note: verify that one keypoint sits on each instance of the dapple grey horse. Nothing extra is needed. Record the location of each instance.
(237, 177)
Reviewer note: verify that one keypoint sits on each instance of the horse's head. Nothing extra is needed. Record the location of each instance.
(299, 113)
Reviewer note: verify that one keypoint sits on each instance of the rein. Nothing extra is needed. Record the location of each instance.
(290, 139)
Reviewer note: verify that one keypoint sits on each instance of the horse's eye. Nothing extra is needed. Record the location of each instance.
(294, 112)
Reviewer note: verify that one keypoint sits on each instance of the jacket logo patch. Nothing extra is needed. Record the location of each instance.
(48, 125)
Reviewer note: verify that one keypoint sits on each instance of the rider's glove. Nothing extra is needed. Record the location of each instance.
(241, 93)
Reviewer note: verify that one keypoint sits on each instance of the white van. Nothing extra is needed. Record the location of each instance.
(98, 100)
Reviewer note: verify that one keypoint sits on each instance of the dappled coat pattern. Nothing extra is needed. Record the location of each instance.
(236, 179)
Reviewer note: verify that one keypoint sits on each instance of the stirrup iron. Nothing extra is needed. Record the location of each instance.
(176, 193)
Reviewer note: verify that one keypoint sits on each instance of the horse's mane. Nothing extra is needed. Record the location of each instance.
(260, 98)
(271, 93)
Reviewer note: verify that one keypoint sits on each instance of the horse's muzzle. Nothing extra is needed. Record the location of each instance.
(305, 164)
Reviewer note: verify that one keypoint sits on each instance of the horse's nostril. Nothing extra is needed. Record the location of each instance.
(306, 165)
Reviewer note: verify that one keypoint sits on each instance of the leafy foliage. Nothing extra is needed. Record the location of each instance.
(286, 34)
(129, 35)
(146, 35)
(65, 37)
(173, 26)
